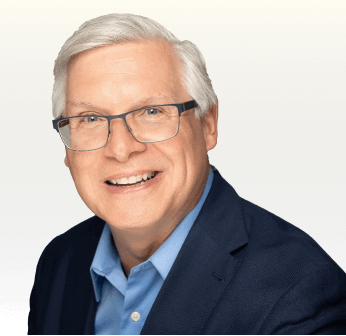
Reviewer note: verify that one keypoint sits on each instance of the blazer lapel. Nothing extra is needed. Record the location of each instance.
(90, 319)
(204, 266)
(79, 303)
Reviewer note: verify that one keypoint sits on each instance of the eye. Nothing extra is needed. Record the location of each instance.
(152, 111)
(91, 119)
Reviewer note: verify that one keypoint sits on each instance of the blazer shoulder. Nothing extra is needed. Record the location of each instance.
(279, 237)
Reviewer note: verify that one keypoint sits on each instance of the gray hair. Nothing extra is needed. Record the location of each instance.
(121, 28)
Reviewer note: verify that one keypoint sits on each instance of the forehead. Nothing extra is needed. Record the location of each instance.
(126, 61)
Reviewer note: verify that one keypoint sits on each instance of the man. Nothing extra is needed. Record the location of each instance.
(172, 249)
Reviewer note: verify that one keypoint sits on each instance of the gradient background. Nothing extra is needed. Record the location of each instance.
(279, 70)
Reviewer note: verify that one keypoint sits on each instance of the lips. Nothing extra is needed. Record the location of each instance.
(140, 186)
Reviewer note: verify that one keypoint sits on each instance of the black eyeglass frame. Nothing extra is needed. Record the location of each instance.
(181, 108)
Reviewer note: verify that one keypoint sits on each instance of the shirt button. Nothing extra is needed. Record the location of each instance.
(135, 316)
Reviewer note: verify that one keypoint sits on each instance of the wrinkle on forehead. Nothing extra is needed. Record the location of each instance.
(122, 60)
(117, 73)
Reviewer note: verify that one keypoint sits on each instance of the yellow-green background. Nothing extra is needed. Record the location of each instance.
(279, 70)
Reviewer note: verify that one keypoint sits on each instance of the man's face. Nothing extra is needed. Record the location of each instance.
(116, 79)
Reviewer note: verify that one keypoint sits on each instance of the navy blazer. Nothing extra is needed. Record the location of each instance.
(241, 270)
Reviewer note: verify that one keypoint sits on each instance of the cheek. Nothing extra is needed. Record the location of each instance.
(193, 142)
(82, 166)
(186, 152)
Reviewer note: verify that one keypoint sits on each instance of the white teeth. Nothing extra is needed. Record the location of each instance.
(132, 179)
(124, 180)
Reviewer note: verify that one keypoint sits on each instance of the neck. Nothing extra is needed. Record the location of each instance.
(135, 249)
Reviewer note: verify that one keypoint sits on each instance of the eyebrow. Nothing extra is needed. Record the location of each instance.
(148, 100)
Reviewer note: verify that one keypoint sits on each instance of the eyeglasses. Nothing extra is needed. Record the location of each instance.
(148, 124)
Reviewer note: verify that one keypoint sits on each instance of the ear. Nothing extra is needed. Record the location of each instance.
(66, 162)
(209, 124)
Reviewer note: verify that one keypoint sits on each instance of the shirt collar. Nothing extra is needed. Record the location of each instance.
(106, 261)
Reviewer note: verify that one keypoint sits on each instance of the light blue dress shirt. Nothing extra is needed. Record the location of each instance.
(118, 296)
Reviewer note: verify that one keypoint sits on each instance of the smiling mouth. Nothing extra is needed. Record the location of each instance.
(135, 180)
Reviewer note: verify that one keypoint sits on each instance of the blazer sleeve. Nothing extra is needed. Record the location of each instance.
(314, 305)
(32, 321)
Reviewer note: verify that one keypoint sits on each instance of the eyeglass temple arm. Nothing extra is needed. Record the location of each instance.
(189, 105)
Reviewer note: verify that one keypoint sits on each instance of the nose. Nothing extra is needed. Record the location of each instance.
(121, 144)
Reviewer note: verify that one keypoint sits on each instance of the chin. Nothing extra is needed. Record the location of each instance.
(126, 218)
